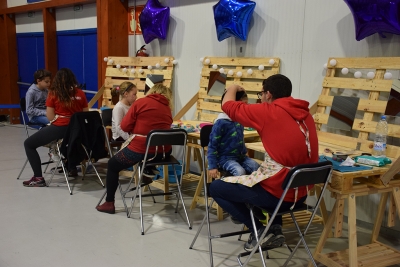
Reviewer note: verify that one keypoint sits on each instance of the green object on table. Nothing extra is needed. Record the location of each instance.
(373, 161)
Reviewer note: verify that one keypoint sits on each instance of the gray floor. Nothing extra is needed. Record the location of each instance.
(48, 227)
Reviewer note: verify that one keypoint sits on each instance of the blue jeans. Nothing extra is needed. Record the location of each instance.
(237, 168)
(233, 198)
(43, 120)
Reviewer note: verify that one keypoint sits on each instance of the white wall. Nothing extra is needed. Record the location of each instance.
(66, 19)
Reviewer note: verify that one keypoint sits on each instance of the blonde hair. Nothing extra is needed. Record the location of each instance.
(124, 87)
(162, 90)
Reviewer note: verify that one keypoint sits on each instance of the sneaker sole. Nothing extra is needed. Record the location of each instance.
(275, 241)
(35, 185)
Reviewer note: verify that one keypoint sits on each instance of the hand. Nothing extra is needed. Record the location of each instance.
(235, 87)
(213, 173)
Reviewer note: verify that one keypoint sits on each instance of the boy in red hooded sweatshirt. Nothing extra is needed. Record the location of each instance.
(289, 136)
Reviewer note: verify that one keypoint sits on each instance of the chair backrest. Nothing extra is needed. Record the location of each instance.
(167, 137)
(106, 116)
(308, 174)
(205, 135)
(22, 104)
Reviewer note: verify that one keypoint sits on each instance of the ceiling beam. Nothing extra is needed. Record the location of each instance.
(41, 5)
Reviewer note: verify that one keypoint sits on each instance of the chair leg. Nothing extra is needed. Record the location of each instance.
(23, 167)
(47, 166)
(253, 222)
(90, 162)
(181, 197)
(301, 235)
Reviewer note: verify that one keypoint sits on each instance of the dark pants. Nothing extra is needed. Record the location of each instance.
(122, 160)
(43, 137)
(233, 198)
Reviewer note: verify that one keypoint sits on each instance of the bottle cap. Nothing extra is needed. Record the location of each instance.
(383, 117)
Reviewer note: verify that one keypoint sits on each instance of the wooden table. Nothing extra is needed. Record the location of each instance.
(194, 144)
(348, 186)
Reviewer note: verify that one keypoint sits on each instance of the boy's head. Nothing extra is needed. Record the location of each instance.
(42, 79)
(278, 86)
(240, 96)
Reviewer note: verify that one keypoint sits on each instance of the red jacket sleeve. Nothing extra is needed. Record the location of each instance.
(252, 115)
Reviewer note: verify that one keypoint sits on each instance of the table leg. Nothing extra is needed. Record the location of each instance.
(396, 196)
(197, 193)
(391, 212)
(324, 235)
(339, 218)
(352, 229)
(379, 217)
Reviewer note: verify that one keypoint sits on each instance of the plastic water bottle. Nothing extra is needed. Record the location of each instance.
(380, 138)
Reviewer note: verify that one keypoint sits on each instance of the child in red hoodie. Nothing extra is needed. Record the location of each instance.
(145, 114)
(289, 136)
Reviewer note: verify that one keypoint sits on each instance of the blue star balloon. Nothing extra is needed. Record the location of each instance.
(375, 16)
(232, 18)
(154, 21)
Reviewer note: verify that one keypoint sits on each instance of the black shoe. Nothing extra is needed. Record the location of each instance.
(148, 172)
(273, 239)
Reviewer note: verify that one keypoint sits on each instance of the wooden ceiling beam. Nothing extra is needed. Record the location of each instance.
(43, 5)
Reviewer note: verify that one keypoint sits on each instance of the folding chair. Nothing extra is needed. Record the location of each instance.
(160, 138)
(301, 175)
(29, 126)
(106, 116)
(84, 139)
(204, 140)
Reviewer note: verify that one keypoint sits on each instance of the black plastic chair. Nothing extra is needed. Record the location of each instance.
(301, 175)
(204, 140)
(160, 138)
(29, 126)
(106, 117)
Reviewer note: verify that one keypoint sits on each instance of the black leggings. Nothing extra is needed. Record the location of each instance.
(43, 137)
(122, 160)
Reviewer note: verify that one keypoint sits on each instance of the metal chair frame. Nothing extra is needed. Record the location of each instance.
(174, 137)
(29, 126)
(301, 175)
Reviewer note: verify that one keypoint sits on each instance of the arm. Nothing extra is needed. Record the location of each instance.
(129, 120)
(117, 116)
(85, 109)
(31, 110)
(50, 113)
(212, 151)
(248, 115)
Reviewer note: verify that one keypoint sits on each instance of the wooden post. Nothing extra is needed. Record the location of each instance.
(50, 40)
(112, 33)
(9, 65)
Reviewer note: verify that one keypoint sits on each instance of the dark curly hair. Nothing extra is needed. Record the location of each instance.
(64, 86)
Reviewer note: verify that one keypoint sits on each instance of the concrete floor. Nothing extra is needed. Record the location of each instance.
(49, 227)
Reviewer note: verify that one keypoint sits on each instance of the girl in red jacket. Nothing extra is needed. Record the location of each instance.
(145, 114)
(63, 100)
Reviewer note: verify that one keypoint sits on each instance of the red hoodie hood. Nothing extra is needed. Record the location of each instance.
(296, 108)
(160, 98)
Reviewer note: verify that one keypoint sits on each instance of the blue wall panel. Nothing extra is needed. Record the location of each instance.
(30, 49)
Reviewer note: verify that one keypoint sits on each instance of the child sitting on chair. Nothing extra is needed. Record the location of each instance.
(128, 94)
(226, 149)
(36, 97)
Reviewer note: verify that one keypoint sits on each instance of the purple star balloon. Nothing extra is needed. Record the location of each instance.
(375, 16)
(232, 18)
(154, 21)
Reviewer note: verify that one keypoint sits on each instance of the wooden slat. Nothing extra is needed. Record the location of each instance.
(257, 74)
(201, 104)
(238, 61)
(391, 63)
(114, 72)
(207, 117)
(140, 61)
(321, 118)
(370, 126)
(358, 84)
